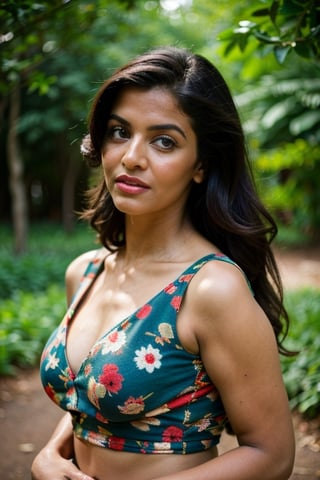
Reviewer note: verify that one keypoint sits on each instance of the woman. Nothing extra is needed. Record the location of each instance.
(175, 329)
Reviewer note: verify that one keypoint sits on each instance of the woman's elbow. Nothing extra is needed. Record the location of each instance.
(284, 461)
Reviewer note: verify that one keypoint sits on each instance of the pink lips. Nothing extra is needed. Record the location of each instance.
(132, 185)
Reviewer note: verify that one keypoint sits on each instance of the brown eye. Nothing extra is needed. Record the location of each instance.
(164, 142)
(117, 132)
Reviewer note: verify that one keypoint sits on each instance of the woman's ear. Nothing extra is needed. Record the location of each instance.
(198, 175)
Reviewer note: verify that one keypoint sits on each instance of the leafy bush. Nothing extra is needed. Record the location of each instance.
(289, 177)
(302, 373)
(31, 272)
(32, 294)
(26, 321)
(50, 251)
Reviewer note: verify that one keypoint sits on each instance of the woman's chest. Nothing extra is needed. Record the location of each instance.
(110, 301)
(139, 365)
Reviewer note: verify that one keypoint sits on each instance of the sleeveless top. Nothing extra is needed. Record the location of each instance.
(138, 390)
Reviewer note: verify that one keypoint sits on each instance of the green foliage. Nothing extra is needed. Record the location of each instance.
(281, 25)
(279, 100)
(282, 120)
(290, 237)
(283, 106)
(289, 184)
(25, 25)
(50, 252)
(32, 300)
(32, 272)
(302, 373)
(26, 322)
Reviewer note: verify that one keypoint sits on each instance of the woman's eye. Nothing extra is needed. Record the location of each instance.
(165, 142)
(117, 133)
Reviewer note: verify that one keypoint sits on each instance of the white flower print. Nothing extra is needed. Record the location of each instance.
(113, 342)
(59, 338)
(52, 362)
(148, 358)
(162, 447)
(203, 424)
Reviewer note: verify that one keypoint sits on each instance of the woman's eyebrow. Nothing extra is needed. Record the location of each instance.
(168, 126)
(119, 119)
(165, 126)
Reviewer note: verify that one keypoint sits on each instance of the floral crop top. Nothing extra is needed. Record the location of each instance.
(138, 390)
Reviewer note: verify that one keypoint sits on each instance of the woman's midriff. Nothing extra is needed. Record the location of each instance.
(105, 464)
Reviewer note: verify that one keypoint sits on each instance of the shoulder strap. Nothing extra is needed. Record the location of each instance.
(222, 258)
(92, 270)
(184, 279)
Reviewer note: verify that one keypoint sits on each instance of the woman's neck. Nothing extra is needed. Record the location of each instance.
(157, 240)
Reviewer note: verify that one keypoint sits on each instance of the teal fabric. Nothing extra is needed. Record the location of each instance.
(138, 390)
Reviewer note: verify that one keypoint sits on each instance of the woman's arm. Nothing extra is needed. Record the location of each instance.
(239, 350)
(54, 460)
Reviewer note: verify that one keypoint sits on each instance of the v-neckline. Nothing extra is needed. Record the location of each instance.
(79, 296)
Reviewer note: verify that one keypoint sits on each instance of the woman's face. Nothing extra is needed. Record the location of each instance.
(149, 156)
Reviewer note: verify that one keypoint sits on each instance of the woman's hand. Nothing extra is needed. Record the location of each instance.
(54, 461)
(50, 464)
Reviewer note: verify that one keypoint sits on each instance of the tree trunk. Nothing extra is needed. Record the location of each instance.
(68, 193)
(16, 182)
(3, 106)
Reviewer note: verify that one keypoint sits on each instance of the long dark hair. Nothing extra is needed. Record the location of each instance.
(225, 207)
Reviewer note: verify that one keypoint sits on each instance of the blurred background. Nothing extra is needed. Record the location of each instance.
(54, 56)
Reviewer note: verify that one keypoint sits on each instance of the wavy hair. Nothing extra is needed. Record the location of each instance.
(225, 207)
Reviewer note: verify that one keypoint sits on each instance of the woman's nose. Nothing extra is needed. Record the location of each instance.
(135, 154)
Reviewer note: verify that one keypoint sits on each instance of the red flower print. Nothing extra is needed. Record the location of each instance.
(124, 325)
(220, 419)
(101, 418)
(176, 302)
(113, 336)
(50, 391)
(202, 379)
(70, 373)
(111, 379)
(116, 443)
(70, 392)
(186, 278)
(170, 289)
(144, 312)
(172, 434)
(114, 342)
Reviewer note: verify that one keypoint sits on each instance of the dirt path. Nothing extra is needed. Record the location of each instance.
(27, 417)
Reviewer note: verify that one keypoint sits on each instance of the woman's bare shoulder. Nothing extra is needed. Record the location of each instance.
(76, 269)
(218, 283)
(221, 303)
(229, 321)
(80, 262)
